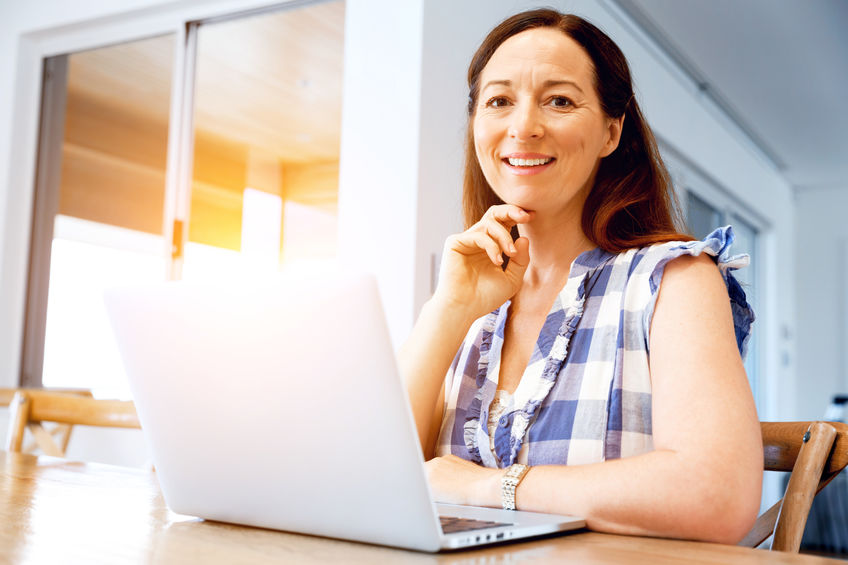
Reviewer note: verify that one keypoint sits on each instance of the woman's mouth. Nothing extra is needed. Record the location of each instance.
(527, 164)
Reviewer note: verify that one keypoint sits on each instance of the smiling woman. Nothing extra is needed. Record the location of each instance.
(598, 371)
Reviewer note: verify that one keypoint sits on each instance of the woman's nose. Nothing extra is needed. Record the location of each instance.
(526, 123)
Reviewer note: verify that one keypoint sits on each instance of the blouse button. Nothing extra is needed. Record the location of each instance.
(504, 422)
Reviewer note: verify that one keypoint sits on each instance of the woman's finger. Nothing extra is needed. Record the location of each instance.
(519, 261)
(473, 241)
(500, 234)
(508, 214)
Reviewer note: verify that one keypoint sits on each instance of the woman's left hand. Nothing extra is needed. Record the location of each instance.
(454, 480)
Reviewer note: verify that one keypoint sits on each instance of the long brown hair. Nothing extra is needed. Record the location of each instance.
(632, 203)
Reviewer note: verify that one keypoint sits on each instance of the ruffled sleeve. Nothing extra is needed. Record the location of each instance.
(717, 245)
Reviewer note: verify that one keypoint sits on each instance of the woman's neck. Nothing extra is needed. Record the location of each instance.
(555, 242)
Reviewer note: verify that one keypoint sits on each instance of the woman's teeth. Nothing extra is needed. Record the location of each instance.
(528, 162)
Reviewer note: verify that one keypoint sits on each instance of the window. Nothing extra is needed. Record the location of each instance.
(708, 208)
(261, 189)
(99, 206)
(267, 129)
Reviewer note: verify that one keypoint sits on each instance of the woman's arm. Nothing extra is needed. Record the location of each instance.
(703, 480)
(423, 361)
(471, 283)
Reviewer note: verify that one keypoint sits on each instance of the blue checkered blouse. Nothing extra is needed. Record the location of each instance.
(585, 395)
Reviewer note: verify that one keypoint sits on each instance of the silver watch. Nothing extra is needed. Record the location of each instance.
(509, 482)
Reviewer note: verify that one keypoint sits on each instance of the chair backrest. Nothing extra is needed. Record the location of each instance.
(814, 452)
(60, 434)
(7, 394)
(29, 408)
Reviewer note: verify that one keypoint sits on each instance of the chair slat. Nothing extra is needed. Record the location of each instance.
(781, 449)
(45, 440)
(813, 464)
(802, 487)
(69, 409)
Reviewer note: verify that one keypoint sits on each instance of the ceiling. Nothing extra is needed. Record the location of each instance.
(779, 68)
(271, 82)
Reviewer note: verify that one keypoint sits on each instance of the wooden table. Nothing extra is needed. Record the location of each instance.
(58, 511)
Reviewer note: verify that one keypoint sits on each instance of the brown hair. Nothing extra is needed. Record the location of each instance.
(632, 203)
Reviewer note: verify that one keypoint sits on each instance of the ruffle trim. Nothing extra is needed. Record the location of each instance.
(507, 445)
(472, 415)
(559, 350)
(717, 244)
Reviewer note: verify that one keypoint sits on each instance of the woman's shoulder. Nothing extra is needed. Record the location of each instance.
(692, 265)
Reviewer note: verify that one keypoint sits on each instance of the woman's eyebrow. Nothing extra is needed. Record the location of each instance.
(497, 82)
(550, 83)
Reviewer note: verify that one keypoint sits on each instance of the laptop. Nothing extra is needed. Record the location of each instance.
(278, 404)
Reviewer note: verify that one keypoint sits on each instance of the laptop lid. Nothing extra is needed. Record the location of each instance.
(278, 404)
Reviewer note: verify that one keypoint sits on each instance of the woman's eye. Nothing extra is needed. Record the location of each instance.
(497, 102)
(561, 102)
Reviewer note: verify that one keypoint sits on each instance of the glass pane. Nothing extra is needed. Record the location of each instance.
(746, 242)
(267, 131)
(80, 348)
(701, 217)
(108, 230)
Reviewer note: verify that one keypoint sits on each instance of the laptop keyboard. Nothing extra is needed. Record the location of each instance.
(452, 524)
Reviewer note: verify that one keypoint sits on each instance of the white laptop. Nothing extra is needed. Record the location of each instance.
(279, 405)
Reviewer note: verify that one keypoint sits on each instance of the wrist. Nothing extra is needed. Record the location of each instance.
(489, 489)
(450, 311)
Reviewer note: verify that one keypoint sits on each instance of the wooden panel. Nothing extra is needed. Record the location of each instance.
(113, 129)
(116, 135)
(220, 176)
(131, 76)
(219, 161)
(269, 84)
(275, 81)
(215, 216)
(103, 188)
(313, 184)
(263, 171)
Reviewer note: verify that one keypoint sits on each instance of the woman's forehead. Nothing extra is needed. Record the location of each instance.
(539, 52)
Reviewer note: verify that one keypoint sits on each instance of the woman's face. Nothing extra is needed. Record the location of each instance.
(539, 131)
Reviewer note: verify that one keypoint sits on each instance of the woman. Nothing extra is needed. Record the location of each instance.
(595, 361)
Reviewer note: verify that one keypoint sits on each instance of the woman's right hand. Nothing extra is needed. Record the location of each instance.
(472, 276)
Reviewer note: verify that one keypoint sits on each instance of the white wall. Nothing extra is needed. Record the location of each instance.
(379, 149)
(822, 282)
(403, 123)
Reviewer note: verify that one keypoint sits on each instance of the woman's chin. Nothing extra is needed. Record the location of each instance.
(527, 204)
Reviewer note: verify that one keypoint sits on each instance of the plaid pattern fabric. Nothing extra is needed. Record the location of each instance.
(585, 395)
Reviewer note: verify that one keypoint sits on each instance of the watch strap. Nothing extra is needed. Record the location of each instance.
(509, 482)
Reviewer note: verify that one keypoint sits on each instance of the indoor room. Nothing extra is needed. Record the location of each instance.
(218, 146)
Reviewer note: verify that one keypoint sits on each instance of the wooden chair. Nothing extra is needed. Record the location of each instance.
(814, 452)
(29, 408)
(60, 433)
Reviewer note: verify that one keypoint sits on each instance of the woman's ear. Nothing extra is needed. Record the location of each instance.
(614, 135)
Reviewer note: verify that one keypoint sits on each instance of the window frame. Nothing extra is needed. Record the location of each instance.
(25, 256)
